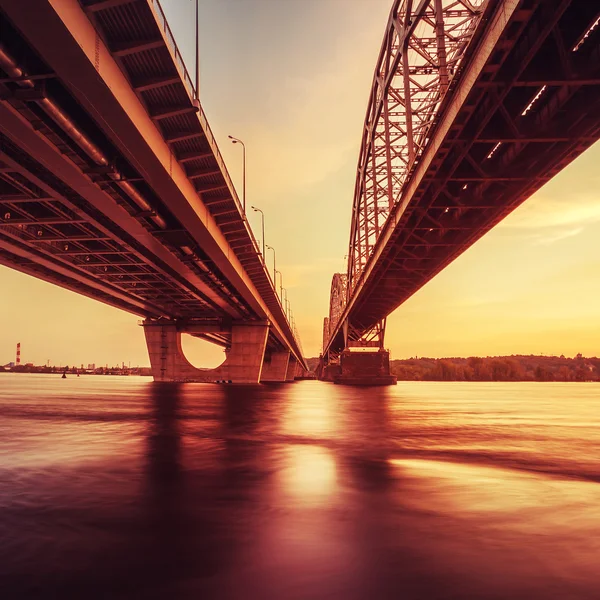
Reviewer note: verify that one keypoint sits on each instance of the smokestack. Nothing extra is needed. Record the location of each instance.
(19, 353)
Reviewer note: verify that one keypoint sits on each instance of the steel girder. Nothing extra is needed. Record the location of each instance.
(337, 299)
(526, 104)
(421, 52)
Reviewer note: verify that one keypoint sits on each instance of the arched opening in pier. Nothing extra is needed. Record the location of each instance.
(201, 353)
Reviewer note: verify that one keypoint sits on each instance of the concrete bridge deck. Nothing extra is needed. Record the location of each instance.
(111, 182)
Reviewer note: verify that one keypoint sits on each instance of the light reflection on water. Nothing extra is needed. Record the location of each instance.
(308, 473)
(120, 488)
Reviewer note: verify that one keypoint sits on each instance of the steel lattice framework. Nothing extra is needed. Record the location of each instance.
(421, 52)
(338, 295)
(474, 107)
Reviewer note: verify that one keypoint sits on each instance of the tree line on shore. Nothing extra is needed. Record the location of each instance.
(498, 368)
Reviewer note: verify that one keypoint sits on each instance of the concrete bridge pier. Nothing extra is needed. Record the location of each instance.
(243, 364)
(275, 366)
(364, 368)
(329, 372)
(291, 370)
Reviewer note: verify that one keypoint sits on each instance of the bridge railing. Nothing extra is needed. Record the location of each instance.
(162, 19)
(191, 90)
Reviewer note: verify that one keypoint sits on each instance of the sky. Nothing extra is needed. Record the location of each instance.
(292, 80)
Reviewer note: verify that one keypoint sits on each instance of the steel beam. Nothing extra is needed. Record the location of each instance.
(152, 83)
(440, 165)
(99, 5)
(172, 111)
(135, 46)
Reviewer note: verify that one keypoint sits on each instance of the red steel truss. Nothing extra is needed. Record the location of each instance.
(337, 299)
(474, 106)
(421, 52)
(422, 49)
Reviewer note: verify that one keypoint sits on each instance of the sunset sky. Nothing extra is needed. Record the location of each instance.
(292, 80)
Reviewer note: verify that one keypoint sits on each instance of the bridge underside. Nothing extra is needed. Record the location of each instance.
(525, 104)
(111, 182)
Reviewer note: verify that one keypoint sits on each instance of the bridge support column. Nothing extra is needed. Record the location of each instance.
(364, 368)
(291, 370)
(275, 367)
(243, 363)
(327, 369)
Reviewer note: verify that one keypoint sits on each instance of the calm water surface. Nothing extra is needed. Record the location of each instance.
(115, 487)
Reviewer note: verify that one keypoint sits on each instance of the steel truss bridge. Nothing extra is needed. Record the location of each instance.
(111, 182)
(475, 105)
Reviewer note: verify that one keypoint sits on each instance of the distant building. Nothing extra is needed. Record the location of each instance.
(91, 366)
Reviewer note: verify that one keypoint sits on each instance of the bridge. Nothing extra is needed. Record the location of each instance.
(112, 186)
(475, 104)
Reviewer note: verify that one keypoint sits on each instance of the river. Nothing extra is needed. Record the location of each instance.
(116, 487)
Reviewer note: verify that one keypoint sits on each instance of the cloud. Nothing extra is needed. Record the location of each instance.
(545, 239)
(543, 212)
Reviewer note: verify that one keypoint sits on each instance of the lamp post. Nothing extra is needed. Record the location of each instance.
(262, 215)
(280, 288)
(237, 141)
(274, 269)
(197, 54)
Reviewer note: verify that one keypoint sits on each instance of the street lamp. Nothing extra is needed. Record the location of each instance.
(236, 141)
(281, 288)
(274, 269)
(197, 54)
(287, 305)
(262, 214)
(275, 282)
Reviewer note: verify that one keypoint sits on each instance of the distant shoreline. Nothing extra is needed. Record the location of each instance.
(141, 372)
(516, 368)
(71, 373)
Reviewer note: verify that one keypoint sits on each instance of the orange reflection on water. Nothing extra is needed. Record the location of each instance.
(308, 414)
(308, 473)
(524, 502)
